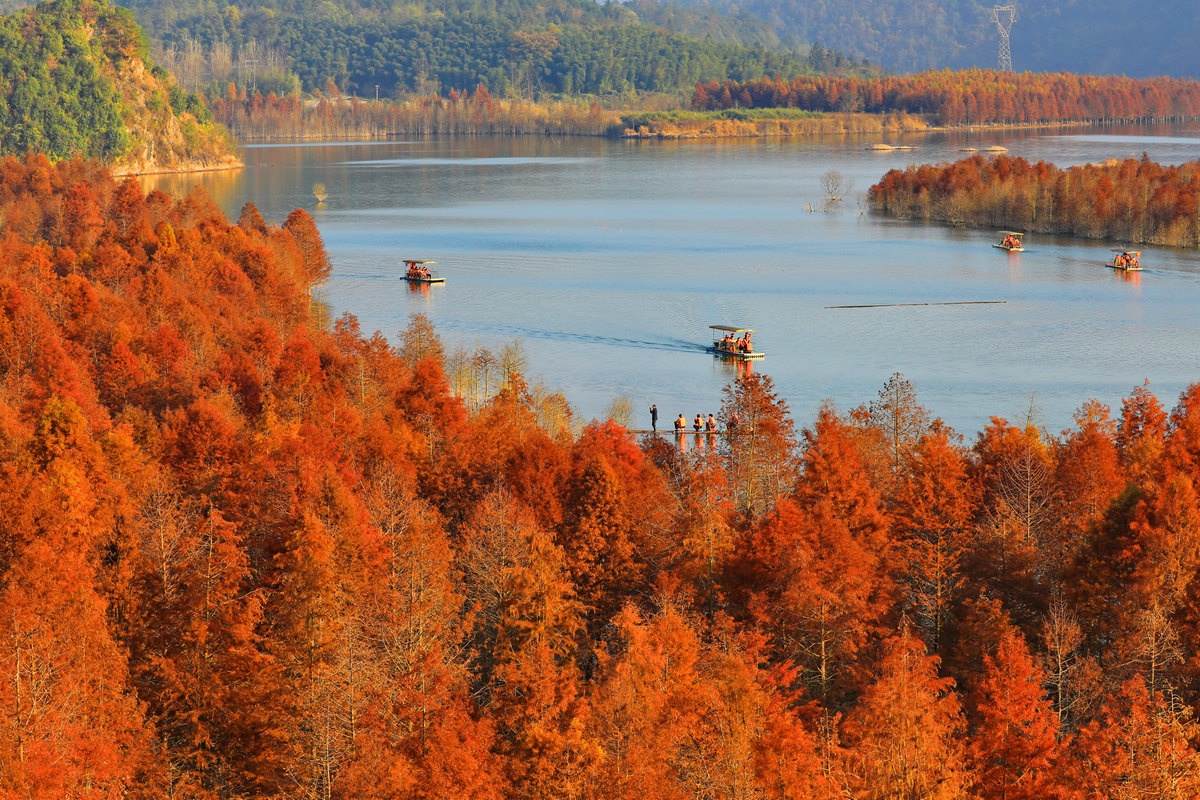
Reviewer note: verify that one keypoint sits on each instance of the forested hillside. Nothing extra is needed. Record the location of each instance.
(75, 81)
(1106, 37)
(248, 554)
(567, 46)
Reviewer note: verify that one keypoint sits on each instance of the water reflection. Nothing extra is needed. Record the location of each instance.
(735, 367)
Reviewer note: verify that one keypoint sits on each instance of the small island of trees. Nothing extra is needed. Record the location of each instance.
(1135, 200)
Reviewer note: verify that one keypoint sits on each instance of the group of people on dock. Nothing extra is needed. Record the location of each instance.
(702, 425)
(699, 425)
(733, 344)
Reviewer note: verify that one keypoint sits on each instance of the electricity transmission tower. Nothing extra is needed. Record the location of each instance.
(1004, 17)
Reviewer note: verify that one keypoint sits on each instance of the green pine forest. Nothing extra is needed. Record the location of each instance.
(514, 47)
(76, 81)
(55, 99)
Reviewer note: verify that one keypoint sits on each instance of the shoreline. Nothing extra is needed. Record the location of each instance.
(134, 173)
(831, 125)
(884, 129)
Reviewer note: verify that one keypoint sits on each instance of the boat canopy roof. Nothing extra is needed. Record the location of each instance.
(1010, 233)
(731, 330)
(416, 261)
(1130, 252)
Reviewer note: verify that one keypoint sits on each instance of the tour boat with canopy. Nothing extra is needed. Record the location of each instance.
(727, 344)
(1010, 241)
(418, 272)
(1126, 260)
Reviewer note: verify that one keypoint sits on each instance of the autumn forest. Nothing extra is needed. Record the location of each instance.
(967, 97)
(247, 552)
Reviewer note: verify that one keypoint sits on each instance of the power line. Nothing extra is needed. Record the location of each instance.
(1004, 17)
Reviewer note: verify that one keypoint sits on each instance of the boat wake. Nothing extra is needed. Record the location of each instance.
(524, 332)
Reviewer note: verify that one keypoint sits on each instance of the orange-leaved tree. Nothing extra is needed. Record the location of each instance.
(904, 736)
(1015, 744)
(933, 519)
(760, 449)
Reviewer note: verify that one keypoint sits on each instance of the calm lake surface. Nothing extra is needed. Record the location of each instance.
(608, 260)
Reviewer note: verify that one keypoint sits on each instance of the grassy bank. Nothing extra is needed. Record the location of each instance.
(764, 122)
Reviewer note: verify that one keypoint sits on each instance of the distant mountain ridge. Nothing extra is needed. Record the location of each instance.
(1104, 37)
(75, 81)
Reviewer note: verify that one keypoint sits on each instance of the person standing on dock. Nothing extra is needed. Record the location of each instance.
(654, 418)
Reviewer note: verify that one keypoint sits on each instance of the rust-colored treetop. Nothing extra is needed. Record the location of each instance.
(245, 554)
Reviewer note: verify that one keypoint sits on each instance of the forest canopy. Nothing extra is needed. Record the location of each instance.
(246, 552)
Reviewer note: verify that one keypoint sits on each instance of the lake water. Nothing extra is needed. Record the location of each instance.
(608, 260)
